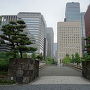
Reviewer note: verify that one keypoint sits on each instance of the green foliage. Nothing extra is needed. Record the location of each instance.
(40, 57)
(33, 56)
(24, 55)
(4, 64)
(77, 58)
(49, 60)
(13, 33)
(5, 82)
(66, 59)
(85, 57)
(4, 60)
(72, 59)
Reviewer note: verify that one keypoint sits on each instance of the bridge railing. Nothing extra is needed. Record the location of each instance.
(78, 67)
(42, 65)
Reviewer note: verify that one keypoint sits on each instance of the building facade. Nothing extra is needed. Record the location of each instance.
(69, 39)
(55, 51)
(87, 24)
(83, 32)
(50, 41)
(72, 13)
(8, 18)
(35, 29)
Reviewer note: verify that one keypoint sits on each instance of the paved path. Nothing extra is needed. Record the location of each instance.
(60, 75)
(59, 71)
(55, 78)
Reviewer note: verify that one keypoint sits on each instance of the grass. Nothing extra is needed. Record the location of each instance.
(3, 78)
(5, 82)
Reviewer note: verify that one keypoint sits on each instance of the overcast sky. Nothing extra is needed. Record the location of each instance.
(52, 10)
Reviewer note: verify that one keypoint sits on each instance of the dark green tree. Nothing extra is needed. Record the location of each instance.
(33, 56)
(13, 34)
(77, 58)
(40, 57)
(72, 59)
(50, 60)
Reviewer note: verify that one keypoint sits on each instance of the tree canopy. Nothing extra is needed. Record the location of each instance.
(13, 36)
(66, 59)
(77, 58)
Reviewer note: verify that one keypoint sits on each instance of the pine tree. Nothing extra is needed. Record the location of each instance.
(14, 37)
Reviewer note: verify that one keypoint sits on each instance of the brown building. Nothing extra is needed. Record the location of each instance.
(87, 21)
(87, 24)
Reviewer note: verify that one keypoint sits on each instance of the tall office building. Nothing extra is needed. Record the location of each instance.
(87, 21)
(83, 31)
(72, 13)
(50, 41)
(35, 29)
(55, 51)
(5, 20)
(68, 39)
(8, 18)
(87, 24)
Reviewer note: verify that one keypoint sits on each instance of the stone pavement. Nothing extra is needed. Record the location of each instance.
(54, 78)
(60, 75)
(59, 71)
(61, 80)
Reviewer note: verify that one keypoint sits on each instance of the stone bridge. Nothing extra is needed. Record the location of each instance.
(54, 78)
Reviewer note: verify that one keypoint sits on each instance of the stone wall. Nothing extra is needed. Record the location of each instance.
(23, 70)
(86, 69)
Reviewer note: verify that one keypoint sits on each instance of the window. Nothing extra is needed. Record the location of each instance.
(31, 18)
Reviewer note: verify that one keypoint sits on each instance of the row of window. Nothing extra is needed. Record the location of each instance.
(69, 37)
(30, 21)
(33, 28)
(31, 18)
(32, 25)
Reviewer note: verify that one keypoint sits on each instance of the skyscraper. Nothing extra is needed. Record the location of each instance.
(68, 39)
(83, 31)
(87, 24)
(72, 12)
(50, 41)
(87, 21)
(8, 18)
(35, 29)
(55, 51)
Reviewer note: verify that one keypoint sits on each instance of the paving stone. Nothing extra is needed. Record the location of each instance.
(54, 78)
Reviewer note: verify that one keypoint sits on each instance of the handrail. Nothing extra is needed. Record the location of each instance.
(42, 66)
(76, 66)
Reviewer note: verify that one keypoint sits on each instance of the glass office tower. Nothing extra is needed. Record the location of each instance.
(72, 13)
(35, 29)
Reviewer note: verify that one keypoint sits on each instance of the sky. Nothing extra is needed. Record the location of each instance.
(52, 10)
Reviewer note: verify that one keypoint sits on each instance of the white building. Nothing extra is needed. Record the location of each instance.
(69, 39)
